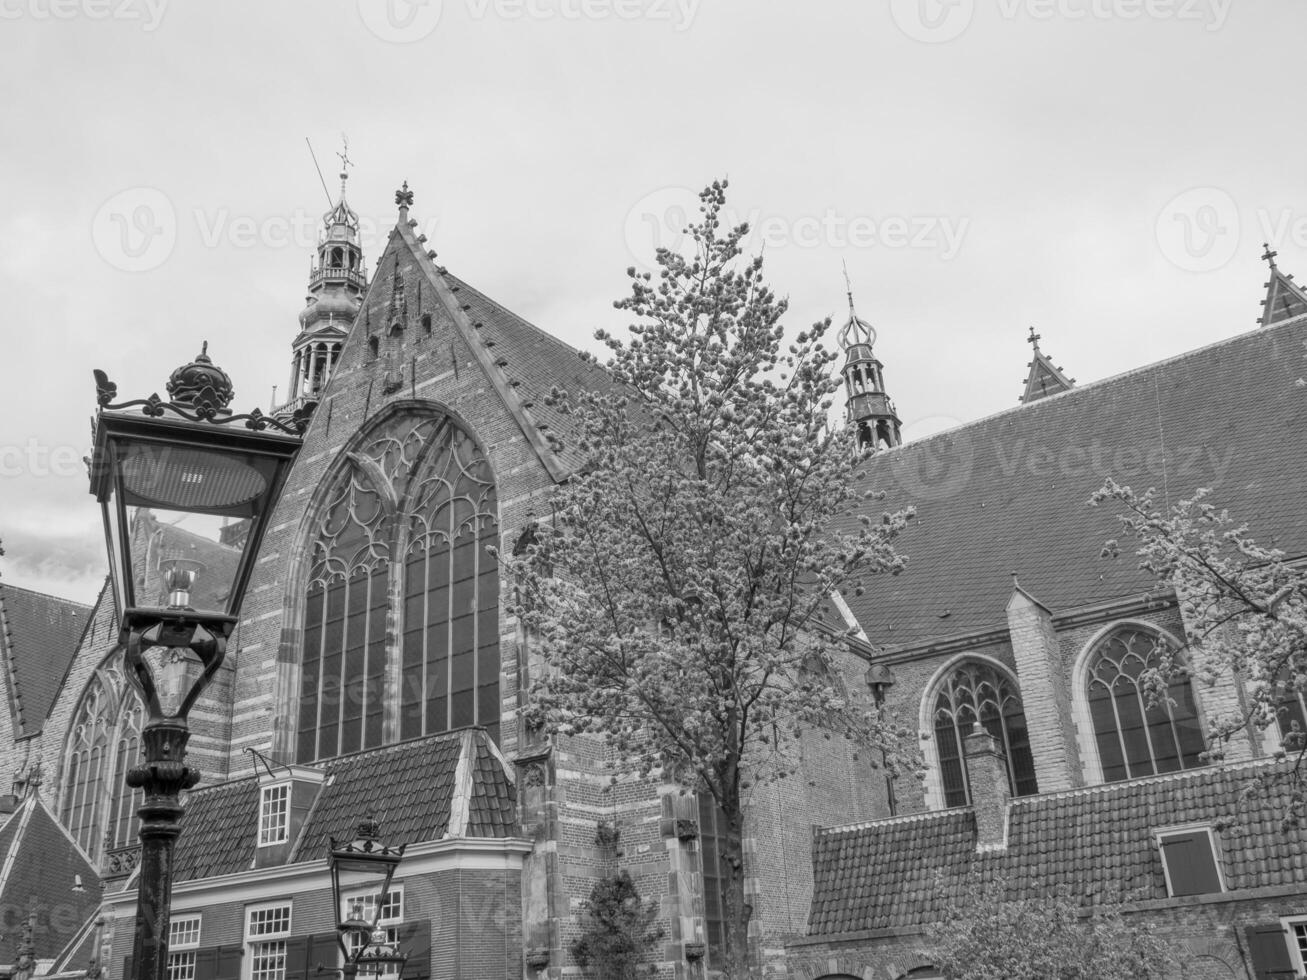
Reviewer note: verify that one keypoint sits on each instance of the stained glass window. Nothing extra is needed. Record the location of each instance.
(1135, 738)
(401, 566)
(977, 691)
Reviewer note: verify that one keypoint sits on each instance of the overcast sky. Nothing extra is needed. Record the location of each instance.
(1105, 170)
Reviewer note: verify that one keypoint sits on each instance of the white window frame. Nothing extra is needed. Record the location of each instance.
(272, 835)
(1213, 842)
(390, 922)
(181, 948)
(267, 937)
(1297, 948)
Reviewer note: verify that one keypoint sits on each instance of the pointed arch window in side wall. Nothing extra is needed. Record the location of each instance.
(401, 566)
(98, 808)
(1137, 735)
(979, 691)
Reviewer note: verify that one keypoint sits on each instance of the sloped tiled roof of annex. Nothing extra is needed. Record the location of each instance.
(41, 634)
(904, 872)
(1010, 493)
(407, 786)
(43, 876)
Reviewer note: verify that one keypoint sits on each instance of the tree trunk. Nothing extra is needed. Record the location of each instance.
(736, 962)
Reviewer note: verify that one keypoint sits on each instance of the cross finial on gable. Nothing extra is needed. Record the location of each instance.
(1270, 254)
(1033, 339)
(404, 197)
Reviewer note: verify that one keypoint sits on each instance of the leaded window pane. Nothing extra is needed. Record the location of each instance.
(978, 691)
(1133, 737)
(404, 543)
(98, 807)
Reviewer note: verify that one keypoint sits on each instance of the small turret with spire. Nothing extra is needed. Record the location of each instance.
(1285, 299)
(869, 407)
(1045, 378)
(336, 286)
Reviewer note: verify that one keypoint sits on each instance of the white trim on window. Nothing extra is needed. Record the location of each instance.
(274, 814)
(183, 940)
(267, 927)
(1295, 937)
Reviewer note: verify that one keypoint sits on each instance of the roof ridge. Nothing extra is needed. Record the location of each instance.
(922, 817)
(1089, 386)
(1165, 777)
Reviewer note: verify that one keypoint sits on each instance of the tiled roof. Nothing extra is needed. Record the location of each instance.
(40, 865)
(40, 637)
(1009, 493)
(535, 362)
(408, 787)
(1095, 844)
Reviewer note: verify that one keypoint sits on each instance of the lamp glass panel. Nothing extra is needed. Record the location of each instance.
(175, 670)
(183, 558)
(196, 480)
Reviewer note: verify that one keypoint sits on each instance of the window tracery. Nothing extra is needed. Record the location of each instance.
(977, 691)
(1134, 738)
(98, 807)
(401, 578)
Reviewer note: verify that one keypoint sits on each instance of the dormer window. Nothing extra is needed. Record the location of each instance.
(274, 814)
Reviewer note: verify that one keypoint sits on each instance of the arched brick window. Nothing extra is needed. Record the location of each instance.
(105, 741)
(401, 615)
(979, 691)
(1134, 738)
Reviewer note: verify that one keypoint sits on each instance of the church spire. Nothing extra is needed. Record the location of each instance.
(1285, 299)
(336, 286)
(869, 407)
(1045, 377)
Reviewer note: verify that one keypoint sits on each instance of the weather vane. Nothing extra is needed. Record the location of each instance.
(345, 161)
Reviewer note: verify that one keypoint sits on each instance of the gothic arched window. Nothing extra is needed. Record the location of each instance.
(977, 691)
(1134, 738)
(98, 807)
(401, 617)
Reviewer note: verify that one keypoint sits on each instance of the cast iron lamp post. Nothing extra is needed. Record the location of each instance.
(186, 490)
(364, 943)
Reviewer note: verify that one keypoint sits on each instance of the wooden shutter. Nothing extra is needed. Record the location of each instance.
(218, 963)
(1190, 863)
(1268, 944)
(415, 941)
(297, 957)
(323, 951)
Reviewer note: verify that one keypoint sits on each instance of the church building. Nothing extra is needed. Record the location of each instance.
(377, 676)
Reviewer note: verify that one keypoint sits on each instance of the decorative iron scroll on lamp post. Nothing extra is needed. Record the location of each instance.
(214, 478)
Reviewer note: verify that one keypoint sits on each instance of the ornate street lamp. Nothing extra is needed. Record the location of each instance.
(365, 945)
(186, 490)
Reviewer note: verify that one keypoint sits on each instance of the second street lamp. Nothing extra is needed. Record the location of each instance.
(365, 944)
(186, 490)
